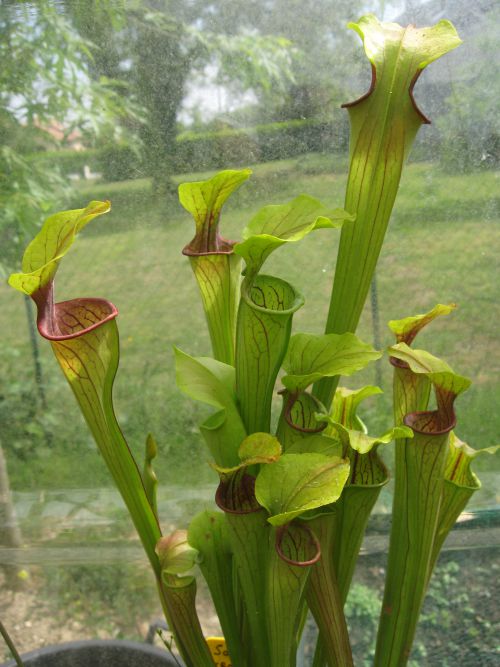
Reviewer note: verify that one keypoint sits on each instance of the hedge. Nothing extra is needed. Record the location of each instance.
(262, 143)
(200, 151)
(67, 160)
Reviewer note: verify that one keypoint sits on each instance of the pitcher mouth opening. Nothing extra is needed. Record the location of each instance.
(247, 503)
(73, 318)
(430, 422)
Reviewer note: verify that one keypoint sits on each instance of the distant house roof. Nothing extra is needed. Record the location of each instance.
(71, 139)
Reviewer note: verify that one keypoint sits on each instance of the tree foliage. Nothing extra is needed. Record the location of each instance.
(46, 94)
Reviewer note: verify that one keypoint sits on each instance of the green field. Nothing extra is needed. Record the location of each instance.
(442, 246)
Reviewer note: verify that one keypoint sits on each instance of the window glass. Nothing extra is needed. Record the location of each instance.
(124, 101)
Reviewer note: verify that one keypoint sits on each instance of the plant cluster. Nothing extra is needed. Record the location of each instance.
(296, 492)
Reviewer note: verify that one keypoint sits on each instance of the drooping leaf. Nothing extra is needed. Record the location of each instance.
(460, 484)
(346, 402)
(311, 357)
(260, 446)
(384, 123)
(42, 256)
(406, 329)
(299, 482)
(275, 225)
(458, 464)
(212, 382)
(204, 200)
(445, 380)
(360, 441)
(255, 449)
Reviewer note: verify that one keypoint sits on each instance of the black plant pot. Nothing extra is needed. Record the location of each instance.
(98, 653)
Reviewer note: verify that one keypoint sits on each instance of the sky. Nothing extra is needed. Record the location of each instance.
(209, 99)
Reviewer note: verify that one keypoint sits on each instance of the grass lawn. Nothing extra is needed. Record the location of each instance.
(442, 246)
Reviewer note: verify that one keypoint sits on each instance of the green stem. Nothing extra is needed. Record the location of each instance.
(287, 575)
(89, 363)
(263, 331)
(10, 645)
(325, 602)
(208, 534)
(249, 536)
(384, 123)
(178, 602)
(420, 464)
(453, 502)
(319, 658)
(353, 509)
(218, 277)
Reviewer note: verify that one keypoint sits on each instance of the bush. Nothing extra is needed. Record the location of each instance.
(67, 160)
(263, 143)
(118, 163)
(198, 151)
(201, 151)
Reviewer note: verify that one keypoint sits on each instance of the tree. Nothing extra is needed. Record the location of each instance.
(44, 80)
(155, 48)
(327, 72)
(470, 129)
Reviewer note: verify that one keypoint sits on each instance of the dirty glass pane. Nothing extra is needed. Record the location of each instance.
(124, 101)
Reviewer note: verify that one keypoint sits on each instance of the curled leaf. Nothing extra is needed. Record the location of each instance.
(345, 405)
(447, 384)
(299, 482)
(260, 446)
(275, 225)
(255, 449)
(310, 358)
(42, 256)
(360, 441)
(458, 464)
(204, 200)
(406, 329)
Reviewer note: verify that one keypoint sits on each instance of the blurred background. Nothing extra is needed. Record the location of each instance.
(124, 100)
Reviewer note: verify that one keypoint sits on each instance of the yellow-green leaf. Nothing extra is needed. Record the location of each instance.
(42, 256)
